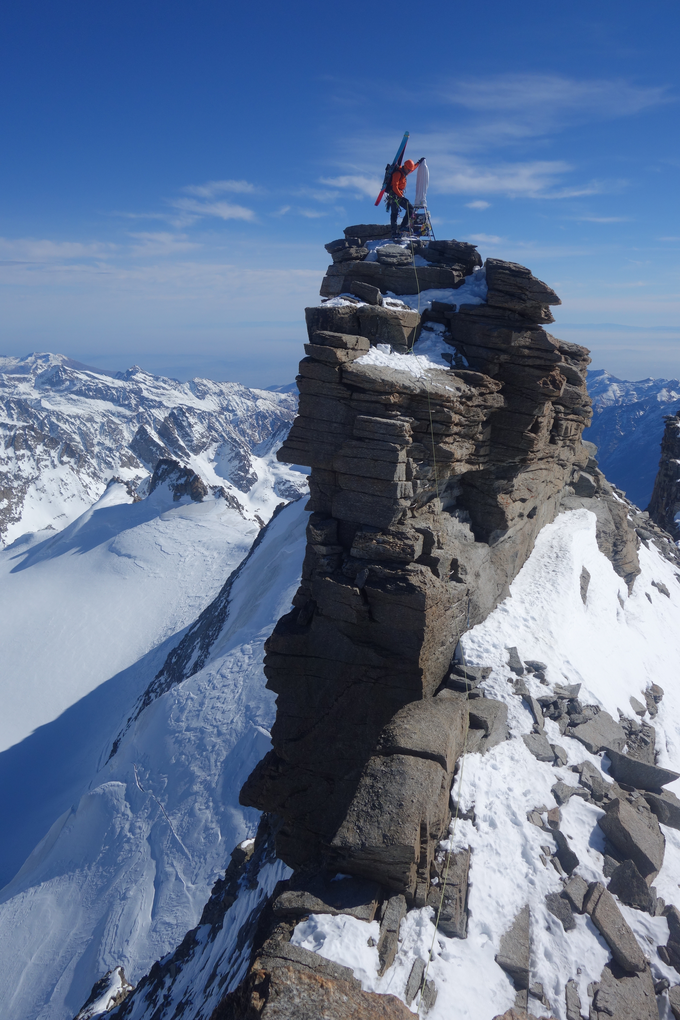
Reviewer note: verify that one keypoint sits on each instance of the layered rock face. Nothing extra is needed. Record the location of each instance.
(428, 488)
(665, 502)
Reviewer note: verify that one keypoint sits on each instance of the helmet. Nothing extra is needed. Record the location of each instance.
(409, 165)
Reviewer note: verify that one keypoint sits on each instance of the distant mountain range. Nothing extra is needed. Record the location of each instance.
(627, 429)
(66, 430)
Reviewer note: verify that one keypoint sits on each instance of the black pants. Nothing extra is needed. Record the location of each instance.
(395, 203)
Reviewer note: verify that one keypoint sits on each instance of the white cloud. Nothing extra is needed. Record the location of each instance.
(153, 245)
(487, 239)
(311, 214)
(29, 249)
(539, 98)
(532, 180)
(478, 204)
(602, 219)
(364, 184)
(192, 209)
(212, 188)
(282, 211)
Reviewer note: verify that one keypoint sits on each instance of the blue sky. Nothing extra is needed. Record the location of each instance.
(170, 171)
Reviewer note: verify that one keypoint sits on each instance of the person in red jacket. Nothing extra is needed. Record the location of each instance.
(396, 198)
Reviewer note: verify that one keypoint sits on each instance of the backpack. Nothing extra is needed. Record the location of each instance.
(387, 179)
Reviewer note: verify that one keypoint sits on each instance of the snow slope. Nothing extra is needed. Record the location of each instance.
(82, 606)
(131, 856)
(615, 646)
(627, 428)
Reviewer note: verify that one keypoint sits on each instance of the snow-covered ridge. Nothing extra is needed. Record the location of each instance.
(67, 429)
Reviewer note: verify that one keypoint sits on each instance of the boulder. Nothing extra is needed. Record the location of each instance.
(536, 710)
(514, 955)
(562, 792)
(591, 779)
(367, 292)
(600, 733)
(572, 1000)
(433, 729)
(323, 894)
(608, 919)
(635, 833)
(466, 678)
(393, 913)
(414, 980)
(491, 717)
(624, 997)
(564, 854)
(538, 744)
(666, 807)
(672, 947)
(515, 288)
(560, 907)
(393, 255)
(400, 800)
(380, 325)
(674, 1001)
(576, 890)
(637, 706)
(637, 773)
(352, 253)
(514, 661)
(363, 232)
(584, 581)
(397, 279)
(452, 909)
(291, 983)
(628, 885)
(561, 756)
(452, 253)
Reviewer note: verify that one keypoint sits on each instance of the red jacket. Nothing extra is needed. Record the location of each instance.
(398, 182)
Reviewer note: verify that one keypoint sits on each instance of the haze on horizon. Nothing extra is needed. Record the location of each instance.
(171, 171)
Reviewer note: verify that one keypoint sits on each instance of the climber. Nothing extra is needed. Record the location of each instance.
(395, 195)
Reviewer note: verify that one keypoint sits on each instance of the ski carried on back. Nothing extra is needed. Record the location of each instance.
(390, 168)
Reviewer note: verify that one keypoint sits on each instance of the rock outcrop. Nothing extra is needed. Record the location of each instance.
(428, 488)
(665, 501)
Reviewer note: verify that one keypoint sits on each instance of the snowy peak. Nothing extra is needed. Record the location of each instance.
(606, 390)
(627, 428)
(68, 429)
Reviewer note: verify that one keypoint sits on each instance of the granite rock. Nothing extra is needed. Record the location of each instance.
(615, 930)
(514, 955)
(639, 774)
(624, 996)
(635, 833)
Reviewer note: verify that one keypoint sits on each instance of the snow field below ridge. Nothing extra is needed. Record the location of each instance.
(119, 879)
(614, 651)
(79, 607)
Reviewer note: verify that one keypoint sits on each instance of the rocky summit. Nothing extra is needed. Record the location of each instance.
(428, 487)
